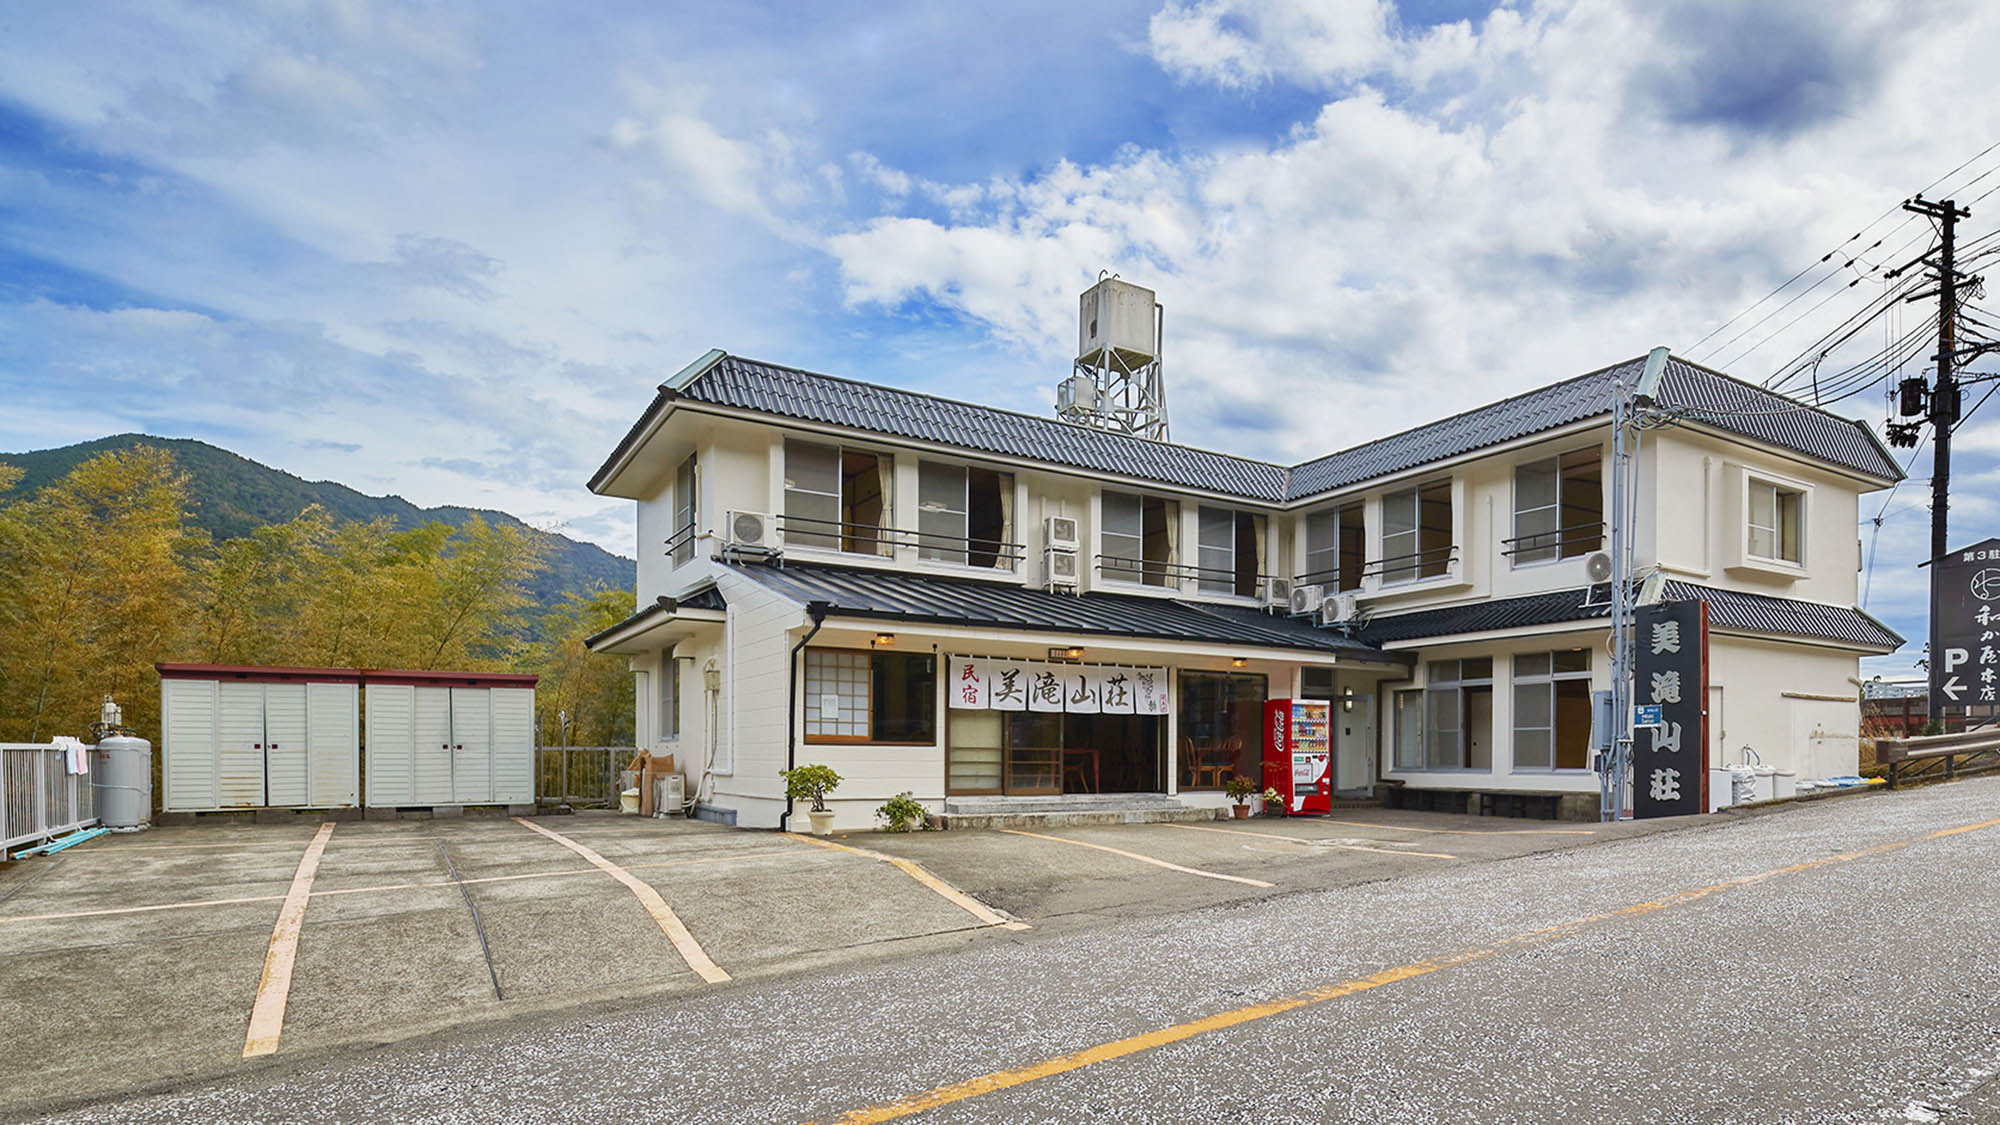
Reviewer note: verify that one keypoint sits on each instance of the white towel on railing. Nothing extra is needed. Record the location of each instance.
(76, 756)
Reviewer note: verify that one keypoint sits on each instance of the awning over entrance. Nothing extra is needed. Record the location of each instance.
(662, 623)
(886, 595)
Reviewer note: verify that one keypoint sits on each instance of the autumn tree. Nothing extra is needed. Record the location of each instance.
(593, 689)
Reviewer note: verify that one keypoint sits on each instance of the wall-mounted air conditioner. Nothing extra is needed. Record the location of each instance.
(749, 531)
(1277, 592)
(1059, 569)
(1059, 533)
(1340, 609)
(1306, 599)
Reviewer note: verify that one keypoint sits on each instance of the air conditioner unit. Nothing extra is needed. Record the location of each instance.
(1277, 592)
(1059, 533)
(669, 795)
(1306, 599)
(1340, 609)
(1059, 569)
(749, 531)
(1598, 566)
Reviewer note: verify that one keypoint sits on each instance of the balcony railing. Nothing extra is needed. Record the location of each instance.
(1558, 540)
(1127, 568)
(682, 540)
(1329, 579)
(870, 539)
(1410, 567)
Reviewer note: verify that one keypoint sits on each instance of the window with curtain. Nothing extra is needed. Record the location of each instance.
(684, 512)
(1458, 715)
(876, 697)
(1776, 522)
(1416, 533)
(1137, 539)
(1230, 551)
(1558, 507)
(1552, 710)
(837, 498)
(965, 515)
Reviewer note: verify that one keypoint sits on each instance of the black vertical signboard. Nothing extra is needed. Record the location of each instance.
(1965, 612)
(1670, 761)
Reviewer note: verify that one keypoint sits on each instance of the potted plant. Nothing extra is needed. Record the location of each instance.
(812, 783)
(903, 812)
(1274, 803)
(1239, 789)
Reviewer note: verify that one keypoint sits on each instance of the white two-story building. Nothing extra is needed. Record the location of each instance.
(842, 572)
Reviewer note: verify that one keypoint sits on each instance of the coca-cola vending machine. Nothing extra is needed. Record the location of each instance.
(1298, 753)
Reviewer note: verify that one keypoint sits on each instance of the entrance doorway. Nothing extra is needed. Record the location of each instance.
(1027, 753)
(1354, 738)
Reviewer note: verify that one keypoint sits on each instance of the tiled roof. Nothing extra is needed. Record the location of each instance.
(1700, 394)
(705, 596)
(750, 385)
(1762, 613)
(1706, 396)
(1727, 609)
(897, 596)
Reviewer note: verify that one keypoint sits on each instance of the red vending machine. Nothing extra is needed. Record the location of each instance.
(1298, 753)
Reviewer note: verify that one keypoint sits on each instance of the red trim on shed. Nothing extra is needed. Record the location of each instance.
(258, 673)
(449, 679)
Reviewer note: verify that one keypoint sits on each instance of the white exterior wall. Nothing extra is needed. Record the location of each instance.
(1794, 706)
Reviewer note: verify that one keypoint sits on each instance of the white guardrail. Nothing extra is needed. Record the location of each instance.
(42, 799)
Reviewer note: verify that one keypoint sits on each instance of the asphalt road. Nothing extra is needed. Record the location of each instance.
(1835, 962)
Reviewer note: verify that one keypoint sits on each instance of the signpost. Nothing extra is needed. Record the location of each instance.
(1965, 622)
(1670, 716)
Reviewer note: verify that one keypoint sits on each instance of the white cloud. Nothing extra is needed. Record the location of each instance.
(1236, 43)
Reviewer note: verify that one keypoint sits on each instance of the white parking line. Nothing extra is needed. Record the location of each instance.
(669, 922)
(267, 1012)
(944, 890)
(1143, 859)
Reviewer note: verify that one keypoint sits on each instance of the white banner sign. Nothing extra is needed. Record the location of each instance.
(978, 684)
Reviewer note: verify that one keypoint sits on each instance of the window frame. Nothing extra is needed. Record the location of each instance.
(670, 699)
(1797, 511)
(1238, 584)
(685, 512)
(879, 545)
(869, 658)
(1161, 574)
(1417, 569)
(1548, 681)
(1326, 566)
(1396, 713)
(1456, 687)
(1003, 548)
(1559, 465)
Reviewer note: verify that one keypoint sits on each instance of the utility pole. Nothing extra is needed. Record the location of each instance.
(1944, 408)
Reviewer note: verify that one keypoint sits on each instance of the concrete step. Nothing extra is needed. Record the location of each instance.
(1070, 810)
(1071, 802)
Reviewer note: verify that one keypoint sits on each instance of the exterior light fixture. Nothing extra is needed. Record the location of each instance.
(1076, 652)
(1347, 699)
(1239, 662)
(885, 638)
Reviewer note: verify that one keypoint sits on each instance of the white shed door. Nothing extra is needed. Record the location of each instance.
(513, 745)
(431, 761)
(240, 723)
(187, 744)
(471, 746)
(333, 750)
(392, 730)
(285, 744)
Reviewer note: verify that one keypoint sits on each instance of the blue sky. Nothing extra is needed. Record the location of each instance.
(446, 249)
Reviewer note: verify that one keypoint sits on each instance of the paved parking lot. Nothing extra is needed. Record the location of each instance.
(142, 960)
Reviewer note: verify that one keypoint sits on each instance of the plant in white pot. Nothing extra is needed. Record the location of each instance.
(1239, 789)
(812, 783)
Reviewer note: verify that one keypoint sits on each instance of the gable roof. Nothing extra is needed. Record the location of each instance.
(1697, 393)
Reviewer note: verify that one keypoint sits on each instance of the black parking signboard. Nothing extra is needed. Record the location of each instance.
(1965, 611)
(1670, 760)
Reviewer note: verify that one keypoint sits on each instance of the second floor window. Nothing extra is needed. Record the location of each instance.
(836, 498)
(1558, 507)
(1231, 551)
(683, 537)
(965, 515)
(1138, 538)
(1336, 548)
(1416, 533)
(1777, 518)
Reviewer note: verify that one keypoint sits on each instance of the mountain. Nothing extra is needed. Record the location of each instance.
(231, 496)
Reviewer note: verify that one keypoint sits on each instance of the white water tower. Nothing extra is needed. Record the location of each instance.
(1117, 384)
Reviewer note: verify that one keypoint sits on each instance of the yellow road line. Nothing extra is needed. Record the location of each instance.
(379, 887)
(1310, 843)
(267, 1012)
(669, 922)
(1143, 859)
(1463, 831)
(1146, 1041)
(915, 871)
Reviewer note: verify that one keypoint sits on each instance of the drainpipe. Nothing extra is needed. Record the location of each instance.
(817, 611)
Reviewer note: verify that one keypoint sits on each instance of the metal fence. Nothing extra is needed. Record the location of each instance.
(580, 776)
(42, 799)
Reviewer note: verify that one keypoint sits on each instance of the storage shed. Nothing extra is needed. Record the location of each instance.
(235, 737)
(450, 738)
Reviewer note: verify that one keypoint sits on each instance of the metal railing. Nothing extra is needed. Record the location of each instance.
(1943, 755)
(1414, 563)
(42, 799)
(684, 538)
(1141, 570)
(1330, 579)
(580, 776)
(1592, 533)
(837, 534)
